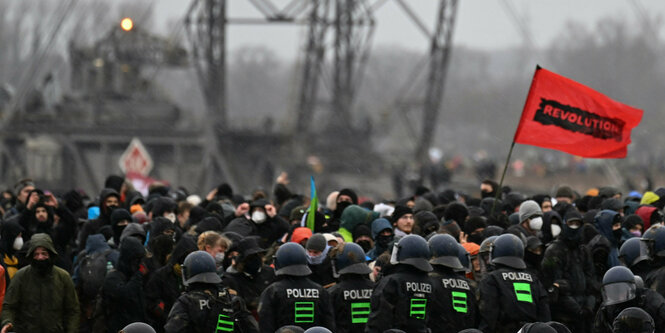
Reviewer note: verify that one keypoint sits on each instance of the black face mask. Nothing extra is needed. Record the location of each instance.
(382, 241)
(485, 194)
(533, 259)
(117, 232)
(42, 267)
(161, 246)
(340, 208)
(570, 235)
(253, 265)
(365, 244)
(617, 234)
(476, 238)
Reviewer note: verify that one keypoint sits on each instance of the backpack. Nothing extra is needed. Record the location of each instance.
(92, 271)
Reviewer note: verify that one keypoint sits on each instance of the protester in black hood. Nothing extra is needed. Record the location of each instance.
(551, 229)
(426, 223)
(109, 200)
(161, 240)
(120, 218)
(488, 188)
(166, 285)
(122, 294)
(362, 235)
(474, 229)
(382, 233)
(568, 274)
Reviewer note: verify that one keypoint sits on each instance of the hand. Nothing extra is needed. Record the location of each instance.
(242, 209)
(51, 200)
(6, 328)
(32, 201)
(211, 195)
(463, 237)
(283, 178)
(270, 211)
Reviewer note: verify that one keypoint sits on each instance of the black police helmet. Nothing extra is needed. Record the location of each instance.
(464, 258)
(290, 329)
(412, 250)
(291, 259)
(656, 235)
(199, 266)
(537, 328)
(470, 330)
(558, 327)
(618, 285)
(633, 320)
(444, 249)
(138, 328)
(349, 258)
(508, 250)
(633, 251)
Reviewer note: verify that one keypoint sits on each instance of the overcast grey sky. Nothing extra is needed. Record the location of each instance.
(482, 24)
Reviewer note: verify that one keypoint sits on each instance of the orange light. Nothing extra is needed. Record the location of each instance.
(126, 24)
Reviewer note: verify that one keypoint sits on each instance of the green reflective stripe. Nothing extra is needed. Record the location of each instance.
(418, 307)
(224, 324)
(523, 292)
(359, 312)
(459, 301)
(304, 312)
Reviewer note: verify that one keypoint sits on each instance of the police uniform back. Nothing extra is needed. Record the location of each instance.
(207, 306)
(350, 297)
(454, 307)
(293, 299)
(402, 299)
(509, 296)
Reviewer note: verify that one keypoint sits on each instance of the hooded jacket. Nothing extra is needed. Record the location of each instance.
(96, 243)
(41, 303)
(603, 223)
(122, 293)
(379, 225)
(92, 227)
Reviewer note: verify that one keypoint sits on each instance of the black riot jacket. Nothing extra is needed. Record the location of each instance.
(294, 300)
(401, 300)
(209, 308)
(509, 298)
(454, 307)
(351, 302)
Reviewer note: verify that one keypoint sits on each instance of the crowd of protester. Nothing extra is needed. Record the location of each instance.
(172, 261)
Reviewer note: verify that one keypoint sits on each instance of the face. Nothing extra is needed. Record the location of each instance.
(616, 226)
(23, 195)
(574, 224)
(40, 254)
(637, 227)
(213, 250)
(183, 217)
(487, 188)
(405, 223)
(314, 253)
(344, 198)
(111, 201)
(41, 214)
(546, 206)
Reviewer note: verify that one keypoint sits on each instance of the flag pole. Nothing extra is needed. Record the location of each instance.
(512, 145)
(503, 175)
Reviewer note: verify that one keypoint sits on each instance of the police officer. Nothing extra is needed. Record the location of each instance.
(402, 299)
(655, 279)
(293, 299)
(633, 320)
(454, 307)
(620, 292)
(634, 254)
(206, 306)
(351, 296)
(509, 296)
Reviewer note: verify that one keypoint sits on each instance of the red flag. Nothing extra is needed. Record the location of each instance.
(562, 114)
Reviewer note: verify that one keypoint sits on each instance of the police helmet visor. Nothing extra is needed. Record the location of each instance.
(645, 254)
(616, 293)
(208, 277)
(294, 270)
(448, 261)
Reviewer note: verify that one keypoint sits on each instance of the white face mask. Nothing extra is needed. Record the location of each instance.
(259, 217)
(536, 223)
(18, 243)
(171, 217)
(219, 257)
(556, 230)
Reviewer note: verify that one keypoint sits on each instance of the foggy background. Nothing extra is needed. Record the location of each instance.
(613, 46)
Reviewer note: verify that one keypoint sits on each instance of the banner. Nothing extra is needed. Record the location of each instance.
(565, 115)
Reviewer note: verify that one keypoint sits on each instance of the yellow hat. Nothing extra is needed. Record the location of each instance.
(649, 198)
